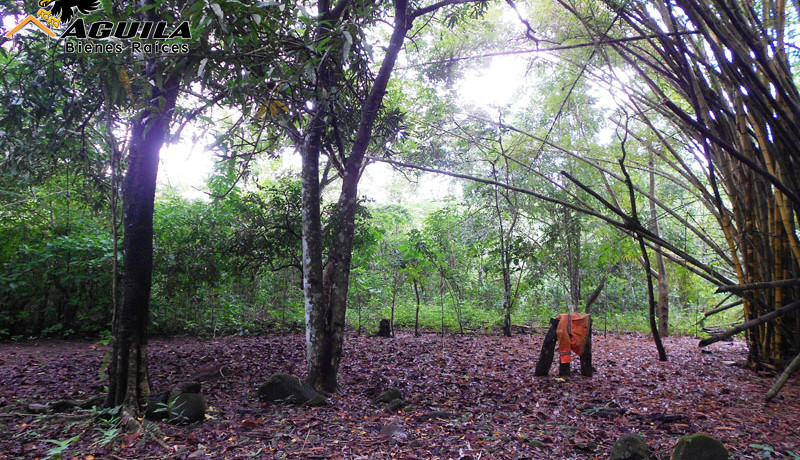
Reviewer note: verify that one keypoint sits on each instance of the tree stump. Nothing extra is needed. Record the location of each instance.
(384, 328)
(586, 357)
(548, 349)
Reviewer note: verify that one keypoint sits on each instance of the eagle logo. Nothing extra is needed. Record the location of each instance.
(63, 9)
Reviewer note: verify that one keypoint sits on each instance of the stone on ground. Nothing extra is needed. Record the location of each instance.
(700, 446)
(388, 396)
(630, 446)
(187, 408)
(288, 389)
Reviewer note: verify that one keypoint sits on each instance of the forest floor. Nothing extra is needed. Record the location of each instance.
(489, 403)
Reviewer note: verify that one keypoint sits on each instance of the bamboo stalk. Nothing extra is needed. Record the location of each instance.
(776, 387)
(722, 308)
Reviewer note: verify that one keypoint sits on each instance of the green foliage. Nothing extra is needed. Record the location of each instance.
(232, 265)
(54, 266)
(57, 452)
(108, 435)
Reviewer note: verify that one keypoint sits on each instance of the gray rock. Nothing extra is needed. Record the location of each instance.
(700, 446)
(630, 446)
(36, 408)
(191, 387)
(63, 405)
(97, 401)
(393, 431)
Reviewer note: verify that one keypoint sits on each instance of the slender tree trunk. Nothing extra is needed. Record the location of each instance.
(416, 315)
(572, 229)
(505, 263)
(317, 345)
(662, 353)
(395, 276)
(113, 196)
(663, 284)
(128, 384)
(505, 257)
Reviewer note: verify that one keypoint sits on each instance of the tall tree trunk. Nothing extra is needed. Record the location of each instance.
(326, 300)
(317, 346)
(128, 383)
(326, 296)
(662, 353)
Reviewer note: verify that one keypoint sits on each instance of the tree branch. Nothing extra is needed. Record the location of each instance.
(755, 286)
(790, 369)
(431, 8)
(752, 323)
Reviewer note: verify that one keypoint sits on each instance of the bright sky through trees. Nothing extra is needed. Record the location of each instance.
(185, 166)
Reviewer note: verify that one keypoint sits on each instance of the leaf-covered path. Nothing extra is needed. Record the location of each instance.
(469, 397)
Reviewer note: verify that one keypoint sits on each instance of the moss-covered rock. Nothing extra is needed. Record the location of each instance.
(700, 446)
(63, 405)
(288, 389)
(317, 401)
(630, 446)
(186, 408)
(395, 405)
(191, 387)
(157, 406)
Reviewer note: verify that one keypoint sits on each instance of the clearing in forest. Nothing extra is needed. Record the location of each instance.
(467, 397)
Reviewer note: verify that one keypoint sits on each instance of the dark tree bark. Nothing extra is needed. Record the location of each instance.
(128, 383)
(326, 296)
(586, 356)
(587, 369)
(384, 328)
(548, 350)
(634, 218)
